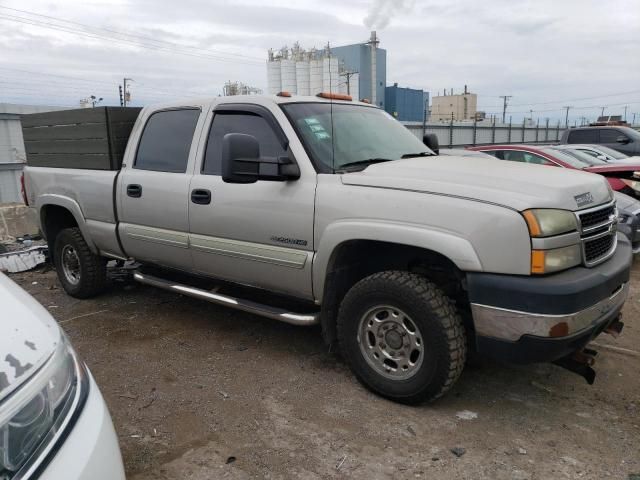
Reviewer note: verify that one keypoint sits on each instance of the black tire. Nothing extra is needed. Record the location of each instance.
(437, 322)
(92, 269)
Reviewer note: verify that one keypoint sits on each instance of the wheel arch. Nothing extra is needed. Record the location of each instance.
(352, 260)
(56, 213)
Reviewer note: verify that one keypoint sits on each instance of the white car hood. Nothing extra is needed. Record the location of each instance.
(28, 336)
(513, 185)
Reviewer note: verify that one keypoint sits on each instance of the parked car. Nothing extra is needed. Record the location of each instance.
(54, 424)
(622, 139)
(629, 219)
(621, 177)
(603, 153)
(404, 258)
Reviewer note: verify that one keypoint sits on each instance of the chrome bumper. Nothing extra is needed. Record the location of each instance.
(512, 324)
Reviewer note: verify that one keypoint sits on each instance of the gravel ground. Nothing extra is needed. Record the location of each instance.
(198, 391)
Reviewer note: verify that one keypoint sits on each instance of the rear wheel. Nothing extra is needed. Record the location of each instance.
(81, 273)
(401, 336)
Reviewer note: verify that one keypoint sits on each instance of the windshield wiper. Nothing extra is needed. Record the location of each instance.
(365, 163)
(419, 154)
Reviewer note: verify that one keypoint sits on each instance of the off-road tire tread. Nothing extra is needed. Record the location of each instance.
(93, 278)
(438, 305)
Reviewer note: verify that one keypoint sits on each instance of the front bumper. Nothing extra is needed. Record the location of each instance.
(90, 451)
(536, 319)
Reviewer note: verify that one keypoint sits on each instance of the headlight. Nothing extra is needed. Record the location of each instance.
(544, 222)
(36, 412)
(548, 261)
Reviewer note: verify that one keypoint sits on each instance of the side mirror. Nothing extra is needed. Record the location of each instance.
(242, 163)
(622, 139)
(431, 141)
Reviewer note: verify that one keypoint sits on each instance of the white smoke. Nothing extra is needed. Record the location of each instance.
(382, 12)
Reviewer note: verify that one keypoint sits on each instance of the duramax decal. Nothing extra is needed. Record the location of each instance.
(289, 241)
(584, 199)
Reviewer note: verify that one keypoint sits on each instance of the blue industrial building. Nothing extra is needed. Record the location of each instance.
(406, 104)
(357, 58)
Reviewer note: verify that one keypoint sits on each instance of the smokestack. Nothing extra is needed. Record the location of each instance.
(373, 43)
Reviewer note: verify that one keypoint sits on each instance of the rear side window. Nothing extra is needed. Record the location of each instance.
(239, 122)
(610, 136)
(583, 136)
(166, 141)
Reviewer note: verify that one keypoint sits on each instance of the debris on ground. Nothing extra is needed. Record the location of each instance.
(458, 451)
(23, 260)
(466, 415)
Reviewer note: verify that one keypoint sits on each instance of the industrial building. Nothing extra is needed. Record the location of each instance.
(406, 104)
(454, 107)
(12, 154)
(359, 70)
(238, 88)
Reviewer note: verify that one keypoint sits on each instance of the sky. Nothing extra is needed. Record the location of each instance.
(545, 54)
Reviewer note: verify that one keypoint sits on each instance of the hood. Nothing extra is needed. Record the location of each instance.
(511, 184)
(28, 336)
(626, 203)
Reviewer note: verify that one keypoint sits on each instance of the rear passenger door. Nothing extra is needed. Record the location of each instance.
(259, 234)
(154, 189)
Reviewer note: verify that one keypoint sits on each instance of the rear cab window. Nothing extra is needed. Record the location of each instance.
(166, 141)
(583, 136)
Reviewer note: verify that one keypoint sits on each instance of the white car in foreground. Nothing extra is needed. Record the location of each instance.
(54, 423)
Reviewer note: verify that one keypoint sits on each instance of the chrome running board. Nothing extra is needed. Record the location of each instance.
(225, 300)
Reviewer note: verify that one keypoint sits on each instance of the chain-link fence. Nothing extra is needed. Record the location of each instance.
(464, 134)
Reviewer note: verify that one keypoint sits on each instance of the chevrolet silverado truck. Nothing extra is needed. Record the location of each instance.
(321, 210)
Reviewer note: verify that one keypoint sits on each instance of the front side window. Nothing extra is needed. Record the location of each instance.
(609, 135)
(239, 122)
(583, 136)
(339, 135)
(166, 141)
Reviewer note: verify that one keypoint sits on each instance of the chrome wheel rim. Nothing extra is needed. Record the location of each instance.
(391, 342)
(70, 264)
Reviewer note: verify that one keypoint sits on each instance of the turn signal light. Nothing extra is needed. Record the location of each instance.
(283, 94)
(335, 96)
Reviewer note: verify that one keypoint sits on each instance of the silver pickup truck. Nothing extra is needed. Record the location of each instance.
(318, 210)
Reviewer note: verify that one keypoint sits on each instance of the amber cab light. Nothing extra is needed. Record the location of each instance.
(283, 94)
(335, 96)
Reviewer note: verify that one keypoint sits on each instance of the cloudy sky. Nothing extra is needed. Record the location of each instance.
(545, 53)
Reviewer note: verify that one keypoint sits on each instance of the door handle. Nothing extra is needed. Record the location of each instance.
(134, 190)
(201, 196)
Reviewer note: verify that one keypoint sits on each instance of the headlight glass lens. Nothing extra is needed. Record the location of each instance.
(543, 222)
(40, 413)
(548, 261)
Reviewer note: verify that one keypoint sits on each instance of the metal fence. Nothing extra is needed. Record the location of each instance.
(464, 134)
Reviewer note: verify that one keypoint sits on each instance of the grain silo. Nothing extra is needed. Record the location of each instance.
(288, 76)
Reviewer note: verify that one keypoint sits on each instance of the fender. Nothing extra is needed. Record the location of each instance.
(73, 207)
(459, 250)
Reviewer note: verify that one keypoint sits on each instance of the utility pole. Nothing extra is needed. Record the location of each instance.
(126, 92)
(566, 118)
(348, 76)
(602, 113)
(625, 112)
(121, 97)
(504, 108)
(633, 122)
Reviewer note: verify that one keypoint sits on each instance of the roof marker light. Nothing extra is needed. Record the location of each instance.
(335, 96)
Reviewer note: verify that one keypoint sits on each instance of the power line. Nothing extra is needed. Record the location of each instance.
(97, 36)
(142, 37)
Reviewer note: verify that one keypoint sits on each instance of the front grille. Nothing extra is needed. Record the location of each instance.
(597, 217)
(598, 227)
(597, 248)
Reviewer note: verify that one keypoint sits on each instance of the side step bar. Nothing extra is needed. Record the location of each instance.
(239, 304)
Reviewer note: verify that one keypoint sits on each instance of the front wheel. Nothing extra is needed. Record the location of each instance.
(81, 273)
(401, 336)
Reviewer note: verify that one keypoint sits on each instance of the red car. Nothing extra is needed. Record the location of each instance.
(621, 177)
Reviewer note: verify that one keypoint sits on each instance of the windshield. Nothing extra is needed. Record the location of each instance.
(575, 159)
(357, 137)
(609, 152)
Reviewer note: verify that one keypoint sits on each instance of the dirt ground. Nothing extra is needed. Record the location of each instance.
(198, 391)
